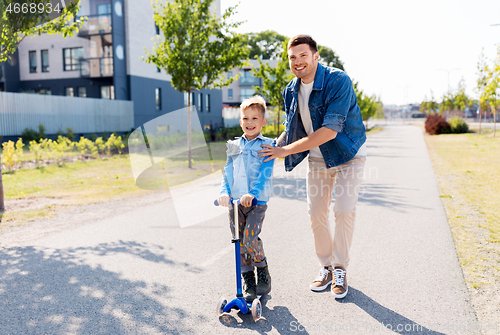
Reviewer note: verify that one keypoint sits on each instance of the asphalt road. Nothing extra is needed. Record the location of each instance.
(140, 273)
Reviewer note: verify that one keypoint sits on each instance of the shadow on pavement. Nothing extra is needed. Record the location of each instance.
(278, 318)
(385, 316)
(52, 291)
(387, 196)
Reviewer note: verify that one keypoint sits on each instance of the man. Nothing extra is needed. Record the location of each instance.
(323, 121)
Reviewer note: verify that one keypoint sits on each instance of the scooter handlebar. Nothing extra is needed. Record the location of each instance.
(231, 201)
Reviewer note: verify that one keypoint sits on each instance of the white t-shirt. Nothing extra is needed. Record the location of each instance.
(305, 114)
(304, 93)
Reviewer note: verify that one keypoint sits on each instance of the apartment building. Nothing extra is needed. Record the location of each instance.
(243, 87)
(104, 61)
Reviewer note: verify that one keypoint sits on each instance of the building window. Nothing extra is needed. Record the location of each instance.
(200, 102)
(186, 95)
(71, 59)
(229, 74)
(82, 91)
(69, 92)
(158, 69)
(45, 60)
(108, 92)
(158, 98)
(207, 102)
(32, 61)
(230, 94)
(246, 93)
(157, 29)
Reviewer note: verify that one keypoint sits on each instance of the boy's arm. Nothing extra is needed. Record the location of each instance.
(266, 171)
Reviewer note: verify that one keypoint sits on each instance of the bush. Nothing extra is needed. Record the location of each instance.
(9, 157)
(69, 134)
(29, 135)
(458, 125)
(436, 124)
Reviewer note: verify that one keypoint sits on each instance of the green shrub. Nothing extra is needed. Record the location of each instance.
(458, 125)
(29, 135)
(270, 130)
(70, 134)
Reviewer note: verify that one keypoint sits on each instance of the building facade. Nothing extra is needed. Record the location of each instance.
(104, 61)
(243, 87)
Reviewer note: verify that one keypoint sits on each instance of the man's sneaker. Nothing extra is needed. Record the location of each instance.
(323, 280)
(339, 288)
(263, 281)
(249, 286)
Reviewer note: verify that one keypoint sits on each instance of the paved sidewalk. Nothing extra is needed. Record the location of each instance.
(140, 273)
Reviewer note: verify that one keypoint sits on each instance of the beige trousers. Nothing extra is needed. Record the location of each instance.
(346, 178)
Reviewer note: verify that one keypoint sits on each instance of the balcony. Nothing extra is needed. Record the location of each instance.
(96, 25)
(96, 67)
(249, 81)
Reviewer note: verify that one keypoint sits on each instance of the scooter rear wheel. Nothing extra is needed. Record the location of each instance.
(256, 310)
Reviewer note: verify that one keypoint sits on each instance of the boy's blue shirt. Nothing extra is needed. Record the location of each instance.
(245, 172)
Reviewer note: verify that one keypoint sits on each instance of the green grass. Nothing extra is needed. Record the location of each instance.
(468, 171)
(99, 180)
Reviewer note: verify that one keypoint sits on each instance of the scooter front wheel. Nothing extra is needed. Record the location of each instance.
(220, 306)
(256, 310)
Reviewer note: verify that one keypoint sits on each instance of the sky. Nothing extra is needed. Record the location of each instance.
(400, 51)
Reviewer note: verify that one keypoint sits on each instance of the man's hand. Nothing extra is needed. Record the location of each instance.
(272, 152)
(246, 200)
(223, 200)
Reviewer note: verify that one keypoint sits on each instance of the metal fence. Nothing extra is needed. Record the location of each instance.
(19, 111)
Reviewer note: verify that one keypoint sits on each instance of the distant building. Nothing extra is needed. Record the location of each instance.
(242, 88)
(103, 61)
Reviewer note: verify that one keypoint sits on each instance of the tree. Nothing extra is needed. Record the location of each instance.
(329, 58)
(447, 103)
(482, 81)
(424, 106)
(462, 100)
(269, 45)
(197, 49)
(432, 105)
(274, 80)
(266, 44)
(491, 89)
(368, 105)
(18, 21)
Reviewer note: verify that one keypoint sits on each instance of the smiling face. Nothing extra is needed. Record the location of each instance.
(303, 62)
(252, 122)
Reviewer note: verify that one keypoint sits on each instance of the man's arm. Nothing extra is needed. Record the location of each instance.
(320, 136)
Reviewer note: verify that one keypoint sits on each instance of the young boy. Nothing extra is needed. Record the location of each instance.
(246, 177)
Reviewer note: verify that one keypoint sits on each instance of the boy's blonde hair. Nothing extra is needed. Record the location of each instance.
(256, 101)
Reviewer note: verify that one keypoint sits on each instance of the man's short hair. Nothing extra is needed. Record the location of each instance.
(256, 101)
(303, 39)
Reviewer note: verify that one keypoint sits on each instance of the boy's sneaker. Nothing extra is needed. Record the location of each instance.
(339, 288)
(249, 286)
(323, 280)
(263, 281)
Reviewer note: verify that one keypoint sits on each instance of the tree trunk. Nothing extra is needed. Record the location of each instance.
(278, 129)
(479, 122)
(2, 204)
(494, 124)
(190, 165)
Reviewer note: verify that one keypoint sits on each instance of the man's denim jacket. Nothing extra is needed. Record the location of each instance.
(332, 104)
(245, 172)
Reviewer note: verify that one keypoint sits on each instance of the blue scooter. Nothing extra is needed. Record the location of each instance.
(223, 306)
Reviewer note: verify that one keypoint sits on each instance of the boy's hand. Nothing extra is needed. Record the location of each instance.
(224, 200)
(246, 200)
